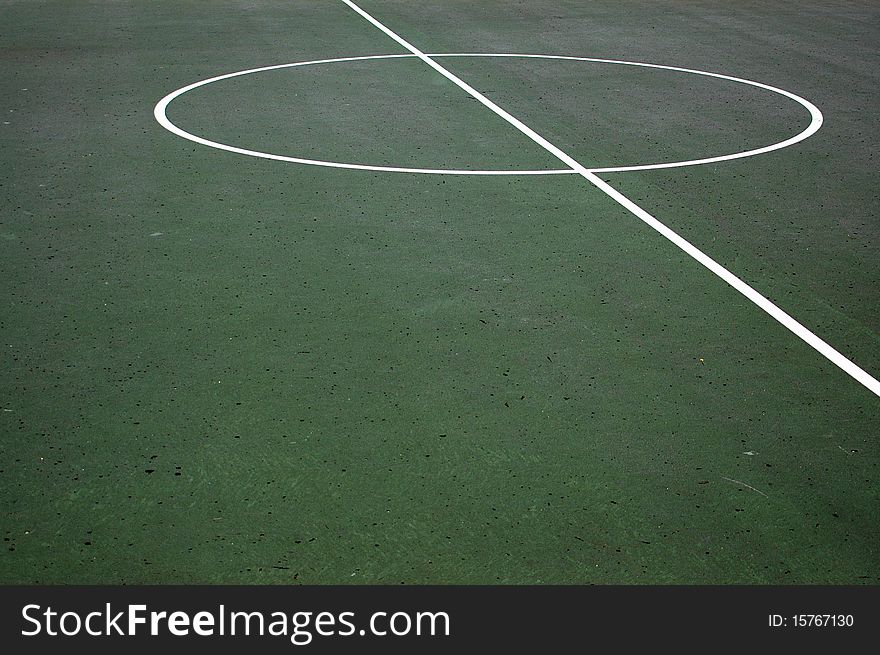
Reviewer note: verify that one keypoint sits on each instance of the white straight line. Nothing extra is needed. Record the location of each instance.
(859, 374)
(525, 129)
(794, 326)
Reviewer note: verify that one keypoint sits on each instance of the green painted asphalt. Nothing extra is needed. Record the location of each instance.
(222, 369)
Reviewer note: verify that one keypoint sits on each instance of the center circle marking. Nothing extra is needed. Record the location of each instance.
(160, 113)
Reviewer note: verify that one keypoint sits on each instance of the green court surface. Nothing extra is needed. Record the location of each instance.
(219, 368)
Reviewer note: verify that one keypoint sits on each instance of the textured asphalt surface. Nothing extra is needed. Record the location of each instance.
(222, 369)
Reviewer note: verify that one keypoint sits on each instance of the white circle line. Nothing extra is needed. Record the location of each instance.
(160, 114)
